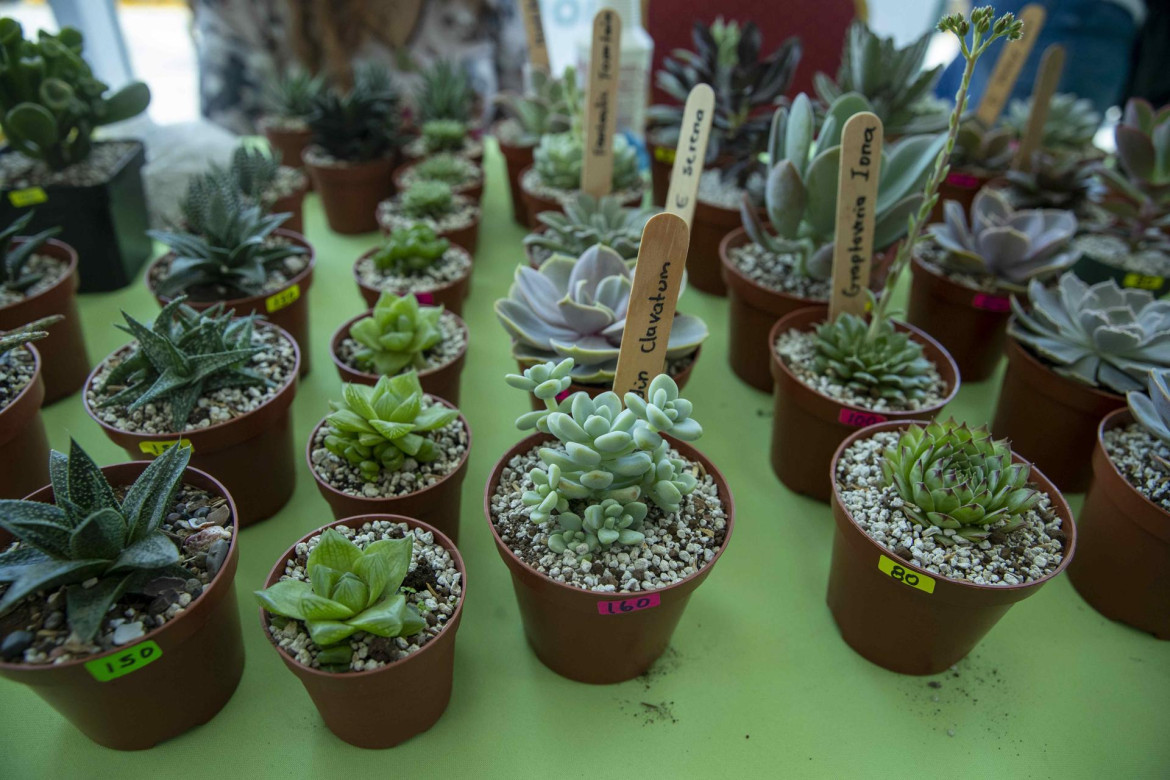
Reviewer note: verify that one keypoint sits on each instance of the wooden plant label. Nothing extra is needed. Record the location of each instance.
(653, 297)
(534, 27)
(691, 152)
(601, 103)
(1051, 65)
(857, 194)
(1007, 67)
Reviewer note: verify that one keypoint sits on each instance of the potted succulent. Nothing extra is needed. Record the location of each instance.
(392, 448)
(24, 447)
(38, 278)
(415, 260)
(980, 156)
(587, 221)
(964, 273)
(940, 529)
(1053, 180)
(554, 178)
(221, 386)
(444, 136)
(290, 99)
(586, 513)
(50, 104)
(1124, 524)
(576, 307)
(260, 177)
(1069, 126)
(119, 586)
(445, 105)
(400, 334)
(352, 155)
(462, 175)
(364, 612)
(1074, 350)
(434, 204)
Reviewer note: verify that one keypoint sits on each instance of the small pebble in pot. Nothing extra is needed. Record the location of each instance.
(216, 555)
(15, 644)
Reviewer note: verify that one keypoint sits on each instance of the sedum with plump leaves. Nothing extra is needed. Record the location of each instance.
(396, 335)
(14, 276)
(559, 159)
(1151, 409)
(410, 249)
(587, 221)
(426, 200)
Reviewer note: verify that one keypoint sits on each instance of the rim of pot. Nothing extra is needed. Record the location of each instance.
(1038, 364)
(70, 259)
(1116, 419)
(369, 253)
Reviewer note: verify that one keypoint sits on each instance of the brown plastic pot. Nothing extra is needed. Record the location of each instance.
(969, 323)
(251, 454)
(381, 708)
(66, 363)
(292, 204)
(472, 190)
(711, 225)
(882, 605)
(199, 657)
(596, 637)
(661, 168)
(681, 380)
(350, 193)
(516, 159)
(290, 143)
(1124, 555)
(1050, 419)
(437, 504)
(534, 204)
(450, 296)
(287, 307)
(808, 426)
(24, 447)
(962, 186)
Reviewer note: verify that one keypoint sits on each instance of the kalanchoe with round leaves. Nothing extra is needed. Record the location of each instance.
(587, 221)
(350, 589)
(887, 364)
(1151, 409)
(548, 108)
(14, 276)
(443, 135)
(450, 169)
(18, 337)
(1137, 189)
(1069, 127)
(292, 95)
(426, 200)
(960, 479)
(359, 125)
(410, 249)
(444, 93)
(559, 159)
(396, 335)
(377, 428)
(89, 534)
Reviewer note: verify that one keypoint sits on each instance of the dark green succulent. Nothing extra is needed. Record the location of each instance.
(411, 248)
(292, 94)
(548, 108)
(359, 125)
(1052, 181)
(982, 150)
(886, 364)
(253, 171)
(444, 93)
(13, 274)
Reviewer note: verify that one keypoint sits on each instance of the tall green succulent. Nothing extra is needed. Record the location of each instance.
(88, 534)
(444, 93)
(1069, 127)
(292, 94)
(443, 135)
(14, 275)
(253, 171)
(559, 159)
(1151, 409)
(359, 125)
(548, 108)
(396, 334)
(427, 200)
(1136, 190)
(33, 331)
(410, 249)
(588, 221)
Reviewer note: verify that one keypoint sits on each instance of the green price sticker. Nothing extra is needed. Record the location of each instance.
(29, 197)
(904, 575)
(129, 660)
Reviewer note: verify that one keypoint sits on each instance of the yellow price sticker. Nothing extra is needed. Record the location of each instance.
(282, 299)
(1143, 282)
(27, 197)
(129, 660)
(904, 575)
(157, 448)
(664, 154)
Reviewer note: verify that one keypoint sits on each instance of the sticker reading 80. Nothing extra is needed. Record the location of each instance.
(129, 660)
(905, 576)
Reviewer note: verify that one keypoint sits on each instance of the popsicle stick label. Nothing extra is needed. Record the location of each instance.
(856, 419)
(905, 576)
(1012, 57)
(1047, 78)
(653, 297)
(691, 152)
(283, 299)
(126, 662)
(857, 194)
(27, 197)
(1143, 282)
(534, 29)
(601, 103)
(649, 601)
(989, 302)
(157, 448)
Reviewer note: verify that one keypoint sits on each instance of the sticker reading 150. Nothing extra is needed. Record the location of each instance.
(629, 605)
(904, 575)
(129, 660)
(282, 299)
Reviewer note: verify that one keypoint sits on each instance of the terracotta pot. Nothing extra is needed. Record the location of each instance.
(442, 381)
(382, 707)
(24, 447)
(962, 186)
(66, 363)
(969, 323)
(251, 454)
(1124, 552)
(807, 426)
(199, 657)
(288, 307)
(1051, 420)
(681, 380)
(596, 637)
(661, 168)
(437, 505)
(516, 159)
(290, 143)
(712, 224)
(534, 204)
(294, 205)
(905, 627)
(350, 193)
(450, 296)
(471, 190)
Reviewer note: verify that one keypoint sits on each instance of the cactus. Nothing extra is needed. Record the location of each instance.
(14, 276)
(444, 93)
(410, 249)
(396, 334)
(549, 108)
(359, 125)
(1151, 409)
(427, 200)
(559, 159)
(588, 221)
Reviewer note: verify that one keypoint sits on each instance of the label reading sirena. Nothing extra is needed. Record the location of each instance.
(1143, 282)
(129, 660)
(991, 302)
(859, 419)
(27, 197)
(282, 299)
(157, 448)
(904, 575)
(649, 601)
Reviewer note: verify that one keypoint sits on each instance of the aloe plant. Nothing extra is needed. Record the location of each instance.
(14, 274)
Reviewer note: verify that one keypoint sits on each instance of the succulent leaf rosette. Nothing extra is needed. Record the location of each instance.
(559, 160)
(396, 335)
(1069, 126)
(587, 221)
(14, 275)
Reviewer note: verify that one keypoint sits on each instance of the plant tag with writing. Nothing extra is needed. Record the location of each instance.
(1007, 68)
(534, 28)
(653, 297)
(691, 152)
(857, 195)
(1047, 78)
(601, 103)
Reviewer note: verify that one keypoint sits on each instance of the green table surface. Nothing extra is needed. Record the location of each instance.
(757, 680)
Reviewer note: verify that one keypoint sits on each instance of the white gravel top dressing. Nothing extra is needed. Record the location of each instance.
(533, 184)
(17, 368)
(453, 341)
(473, 175)
(52, 271)
(18, 171)
(416, 149)
(451, 267)
(464, 213)
(288, 181)
(779, 272)
(1132, 449)
(715, 191)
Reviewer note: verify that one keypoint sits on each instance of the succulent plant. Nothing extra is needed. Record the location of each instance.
(1052, 181)
(444, 93)
(253, 171)
(33, 331)
(1137, 189)
(447, 168)
(293, 94)
(349, 589)
(1103, 335)
(396, 334)
(359, 125)
(957, 478)
(88, 534)
(377, 428)
(977, 148)
(426, 200)
(183, 355)
(588, 221)
(548, 108)
(559, 159)
(1069, 127)
(577, 308)
(887, 364)
(50, 102)
(1151, 409)
(14, 275)
(1012, 246)
(893, 80)
(443, 135)
(410, 249)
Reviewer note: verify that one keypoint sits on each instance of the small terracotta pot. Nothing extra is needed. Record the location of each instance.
(251, 454)
(882, 605)
(382, 707)
(962, 186)
(807, 426)
(199, 657)
(437, 504)
(471, 190)
(294, 205)
(534, 204)
(516, 159)
(66, 363)
(290, 143)
(711, 225)
(24, 447)
(681, 380)
(450, 296)
(661, 168)
(1124, 552)
(287, 307)
(350, 193)
(1050, 419)
(969, 323)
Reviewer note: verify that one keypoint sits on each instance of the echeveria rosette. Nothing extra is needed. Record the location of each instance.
(883, 364)
(396, 335)
(1151, 409)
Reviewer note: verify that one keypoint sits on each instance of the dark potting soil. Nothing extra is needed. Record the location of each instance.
(17, 369)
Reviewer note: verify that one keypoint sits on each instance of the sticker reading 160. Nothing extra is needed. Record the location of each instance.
(130, 660)
(905, 576)
(629, 605)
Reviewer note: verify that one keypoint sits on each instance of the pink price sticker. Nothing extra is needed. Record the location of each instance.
(649, 601)
(991, 302)
(425, 298)
(563, 395)
(857, 419)
(963, 180)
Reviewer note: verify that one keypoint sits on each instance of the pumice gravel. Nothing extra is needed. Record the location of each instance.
(451, 267)
(17, 368)
(777, 272)
(1132, 449)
